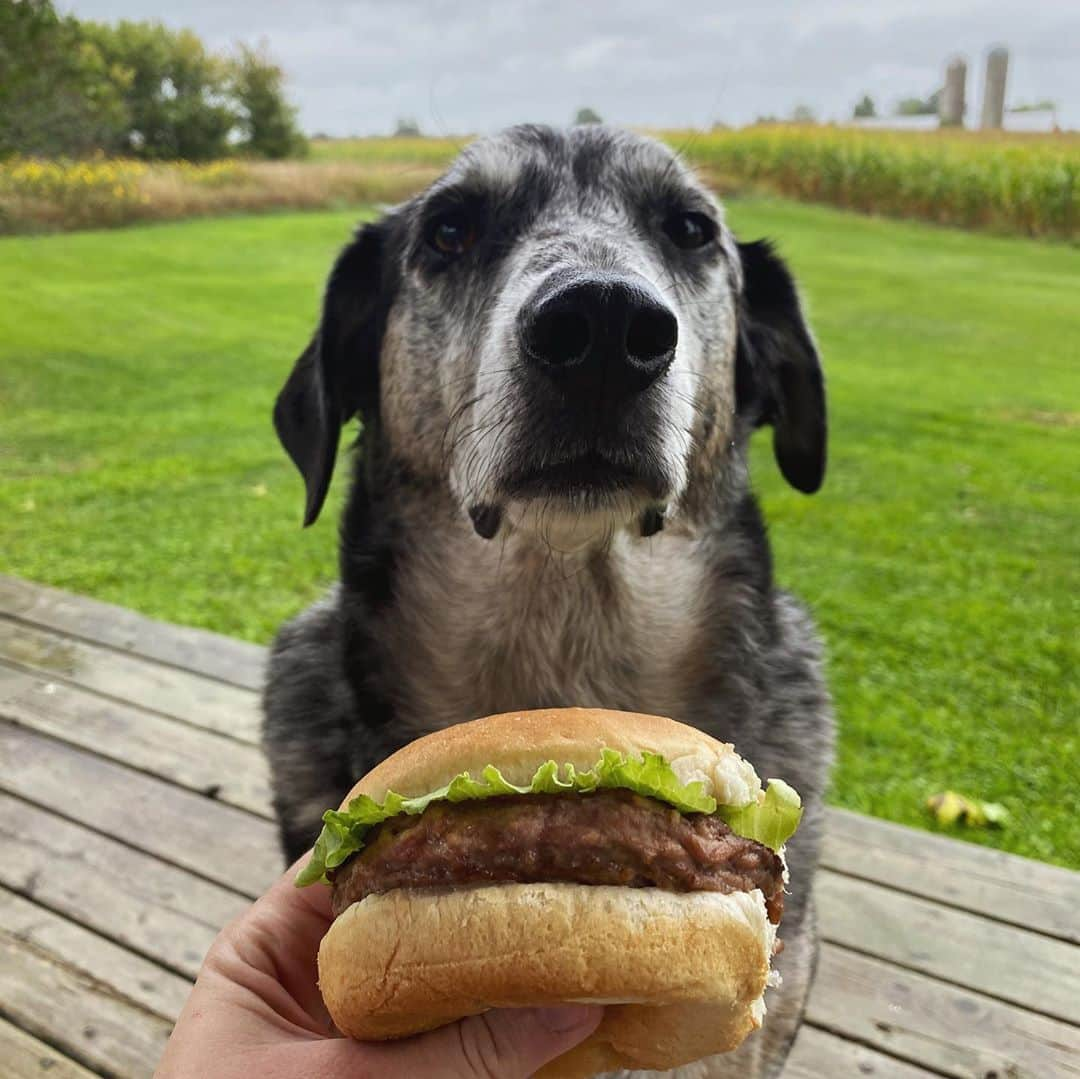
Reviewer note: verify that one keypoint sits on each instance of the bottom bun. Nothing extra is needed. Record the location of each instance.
(684, 973)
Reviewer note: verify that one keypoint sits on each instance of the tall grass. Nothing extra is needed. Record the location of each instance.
(1024, 184)
(59, 195)
(395, 150)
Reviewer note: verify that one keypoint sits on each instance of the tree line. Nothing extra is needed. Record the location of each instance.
(70, 87)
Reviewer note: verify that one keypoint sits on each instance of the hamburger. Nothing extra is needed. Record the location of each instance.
(563, 855)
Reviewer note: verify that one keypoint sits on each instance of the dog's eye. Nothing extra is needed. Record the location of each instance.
(451, 234)
(689, 230)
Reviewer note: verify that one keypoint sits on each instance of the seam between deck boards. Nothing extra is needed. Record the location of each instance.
(901, 965)
(250, 896)
(111, 990)
(46, 627)
(156, 960)
(99, 985)
(848, 1036)
(53, 1042)
(89, 927)
(985, 915)
(56, 676)
(77, 747)
(839, 870)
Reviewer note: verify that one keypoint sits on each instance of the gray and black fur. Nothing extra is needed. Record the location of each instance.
(524, 530)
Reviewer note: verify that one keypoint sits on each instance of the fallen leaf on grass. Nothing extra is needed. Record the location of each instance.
(948, 807)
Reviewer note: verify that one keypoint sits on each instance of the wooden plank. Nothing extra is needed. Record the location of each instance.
(152, 987)
(132, 898)
(211, 654)
(25, 1057)
(201, 701)
(953, 1031)
(997, 885)
(999, 960)
(817, 1054)
(191, 757)
(213, 840)
(69, 998)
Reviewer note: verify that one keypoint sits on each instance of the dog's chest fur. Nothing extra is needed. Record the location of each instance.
(478, 628)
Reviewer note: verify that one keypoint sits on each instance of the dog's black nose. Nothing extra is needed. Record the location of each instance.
(599, 333)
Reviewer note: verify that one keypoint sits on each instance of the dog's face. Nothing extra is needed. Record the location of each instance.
(565, 333)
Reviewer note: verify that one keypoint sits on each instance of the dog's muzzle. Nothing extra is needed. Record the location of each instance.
(592, 345)
(598, 337)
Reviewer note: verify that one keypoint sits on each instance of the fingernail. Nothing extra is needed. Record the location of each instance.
(565, 1018)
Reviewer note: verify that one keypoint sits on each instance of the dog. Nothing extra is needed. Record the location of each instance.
(558, 354)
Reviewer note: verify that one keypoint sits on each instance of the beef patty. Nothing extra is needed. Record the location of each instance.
(607, 837)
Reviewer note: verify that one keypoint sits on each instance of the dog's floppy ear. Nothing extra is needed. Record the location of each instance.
(778, 378)
(337, 375)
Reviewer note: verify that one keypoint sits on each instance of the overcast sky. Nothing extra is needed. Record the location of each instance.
(462, 66)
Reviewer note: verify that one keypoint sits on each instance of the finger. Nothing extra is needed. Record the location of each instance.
(313, 900)
(507, 1043)
(278, 937)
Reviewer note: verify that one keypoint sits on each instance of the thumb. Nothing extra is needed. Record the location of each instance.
(507, 1043)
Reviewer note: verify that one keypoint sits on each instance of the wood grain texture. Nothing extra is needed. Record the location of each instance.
(216, 841)
(225, 658)
(998, 885)
(132, 898)
(117, 869)
(127, 975)
(191, 757)
(78, 992)
(817, 1054)
(25, 1057)
(155, 687)
(996, 960)
(954, 1031)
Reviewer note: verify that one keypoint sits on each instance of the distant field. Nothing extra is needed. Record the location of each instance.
(1026, 184)
(52, 196)
(942, 558)
(396, 150)
(1023, 184)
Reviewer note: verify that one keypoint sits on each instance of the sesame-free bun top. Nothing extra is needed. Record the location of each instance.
(517, 743)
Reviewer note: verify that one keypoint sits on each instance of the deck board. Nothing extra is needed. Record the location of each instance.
(160, 911)
(818, 1054)
(181, 753)
(155, 687)
(92, 1000)
(918, 1018)
(992, 883)
(225, 658)
(940, 958)
(214, 840)
(1001, 961)
(25, 1057)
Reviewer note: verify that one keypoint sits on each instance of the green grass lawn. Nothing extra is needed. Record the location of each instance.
(137, 371)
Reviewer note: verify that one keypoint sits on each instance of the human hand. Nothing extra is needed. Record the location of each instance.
(256, 1011)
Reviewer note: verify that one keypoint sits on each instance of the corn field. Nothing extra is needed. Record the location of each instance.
(1009, 183)
(1021, 184)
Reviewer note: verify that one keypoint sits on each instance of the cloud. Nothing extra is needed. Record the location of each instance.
(355, 66)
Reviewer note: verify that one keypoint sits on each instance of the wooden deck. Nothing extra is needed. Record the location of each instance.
(134, 821)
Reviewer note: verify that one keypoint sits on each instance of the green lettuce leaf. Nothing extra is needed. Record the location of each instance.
(344, 832)
(772, 821)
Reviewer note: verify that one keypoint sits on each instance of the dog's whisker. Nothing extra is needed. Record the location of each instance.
(529, 390)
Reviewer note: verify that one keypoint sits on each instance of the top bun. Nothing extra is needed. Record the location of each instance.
(517, 743)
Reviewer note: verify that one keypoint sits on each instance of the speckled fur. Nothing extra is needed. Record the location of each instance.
(567, 604)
